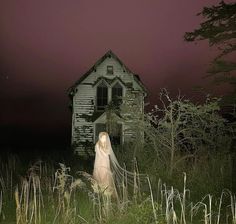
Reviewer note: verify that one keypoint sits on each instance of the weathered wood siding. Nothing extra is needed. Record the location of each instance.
(84, 102)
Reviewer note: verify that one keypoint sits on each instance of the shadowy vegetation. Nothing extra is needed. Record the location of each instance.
(185, 149)
(180, 136)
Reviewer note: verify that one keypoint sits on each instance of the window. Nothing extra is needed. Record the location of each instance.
(109, 69)
(98, 128)
(102, 96)
(117, 92)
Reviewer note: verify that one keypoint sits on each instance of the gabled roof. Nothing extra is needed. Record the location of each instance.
(109, 53)
(103, 116)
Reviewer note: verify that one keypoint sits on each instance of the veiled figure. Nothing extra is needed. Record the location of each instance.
(107, 172)
(102, 171)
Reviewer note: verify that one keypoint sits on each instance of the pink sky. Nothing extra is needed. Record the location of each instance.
(47, 45)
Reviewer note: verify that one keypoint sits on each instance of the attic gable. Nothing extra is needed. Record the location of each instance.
(108, 54)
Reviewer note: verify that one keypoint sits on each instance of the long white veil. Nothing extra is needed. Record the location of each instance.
(120, 174)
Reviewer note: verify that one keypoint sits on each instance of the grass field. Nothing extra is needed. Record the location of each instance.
(49, 192)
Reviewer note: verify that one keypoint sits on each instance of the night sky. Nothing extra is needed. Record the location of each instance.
(47, 45)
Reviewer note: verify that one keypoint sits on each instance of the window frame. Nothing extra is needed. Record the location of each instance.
(110, 72)
(122, 93)
(100, 107)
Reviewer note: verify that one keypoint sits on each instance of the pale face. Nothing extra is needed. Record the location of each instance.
(103, 138)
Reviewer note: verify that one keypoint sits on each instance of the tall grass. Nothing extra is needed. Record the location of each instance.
(46, 194)
(186, 153)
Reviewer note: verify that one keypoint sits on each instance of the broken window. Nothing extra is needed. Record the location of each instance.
(102, 96)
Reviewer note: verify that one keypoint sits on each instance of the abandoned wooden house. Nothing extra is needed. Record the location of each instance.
(106, 83)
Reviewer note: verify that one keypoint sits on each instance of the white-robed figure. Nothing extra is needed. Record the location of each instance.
(102, 172)
(107, 171)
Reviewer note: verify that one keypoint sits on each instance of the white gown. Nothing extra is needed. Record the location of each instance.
(102, 171)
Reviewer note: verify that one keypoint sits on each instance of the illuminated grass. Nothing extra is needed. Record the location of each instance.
(48, 195)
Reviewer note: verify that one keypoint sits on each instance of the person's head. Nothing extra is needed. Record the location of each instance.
(103, 140)
(103, 137)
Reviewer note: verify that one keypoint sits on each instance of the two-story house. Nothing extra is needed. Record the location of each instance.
(106, 81)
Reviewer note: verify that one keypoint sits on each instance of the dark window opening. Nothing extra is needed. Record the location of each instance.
(117, 93)
(109, 69)
(102, 96)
